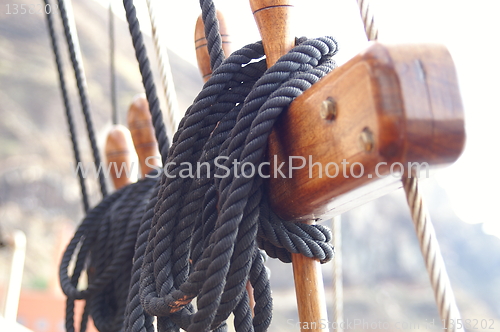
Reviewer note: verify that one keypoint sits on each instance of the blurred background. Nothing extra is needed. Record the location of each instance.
(384, 275)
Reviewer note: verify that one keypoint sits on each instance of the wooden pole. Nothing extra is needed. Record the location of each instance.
(143, 134)
(273, 20)
(17, 242)
(201, 46)
(119, 152)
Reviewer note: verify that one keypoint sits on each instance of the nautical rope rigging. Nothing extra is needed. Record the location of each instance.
(368, 19)
(67, 107)
(105, 239)
(173, 113)
(76, 61)
(237, 114)
(147, 79)
(434, 263)
(156, 245)
(185, 247)
(429, 246)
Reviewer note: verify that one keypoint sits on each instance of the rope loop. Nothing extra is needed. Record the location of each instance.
(105, 242)
(201, 237)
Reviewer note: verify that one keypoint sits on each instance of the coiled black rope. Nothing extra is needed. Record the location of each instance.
(82, 91)
(202, 236)
(198, 237)
(67, 106)
(105, 242)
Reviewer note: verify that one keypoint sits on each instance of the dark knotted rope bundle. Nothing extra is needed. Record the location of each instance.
(200, 236)
(105, 242)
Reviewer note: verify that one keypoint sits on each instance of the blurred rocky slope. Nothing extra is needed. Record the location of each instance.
(385, 279)
(38, 190)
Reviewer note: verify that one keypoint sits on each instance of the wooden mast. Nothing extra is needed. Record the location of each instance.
(274, 23)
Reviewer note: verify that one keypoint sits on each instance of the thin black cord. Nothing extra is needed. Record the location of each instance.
(204, 232)
(82, 90)
(67, 107)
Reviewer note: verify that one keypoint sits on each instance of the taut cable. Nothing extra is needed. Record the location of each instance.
(443, 293)
(173, 113)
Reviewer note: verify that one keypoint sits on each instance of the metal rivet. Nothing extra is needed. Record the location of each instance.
(328, 109)
(366, 139)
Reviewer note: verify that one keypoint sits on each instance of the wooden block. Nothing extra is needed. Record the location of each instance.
(389, 104)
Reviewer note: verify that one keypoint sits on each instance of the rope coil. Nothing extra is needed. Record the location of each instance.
(105, 242)
(184, 246)
(154, 246)
(202, 238)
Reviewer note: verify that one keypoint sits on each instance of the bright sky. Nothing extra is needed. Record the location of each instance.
(468, 28)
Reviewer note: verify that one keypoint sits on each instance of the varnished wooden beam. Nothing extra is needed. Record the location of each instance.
(390, 104)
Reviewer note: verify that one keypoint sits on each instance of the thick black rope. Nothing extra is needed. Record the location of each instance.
(212, 33)
(67, 106)
(107, 236)
(199, 237)
(203, 232)
(147, 78)
(82, 91)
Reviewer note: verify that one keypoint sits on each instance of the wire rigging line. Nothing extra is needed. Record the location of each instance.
(76, 60)
(368, 18)
(443, 293)
(338, 288)
(174, 114)
(112, 58)
(67, 107)
(434, 263)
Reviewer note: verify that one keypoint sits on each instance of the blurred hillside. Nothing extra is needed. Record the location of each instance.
(384, 275)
